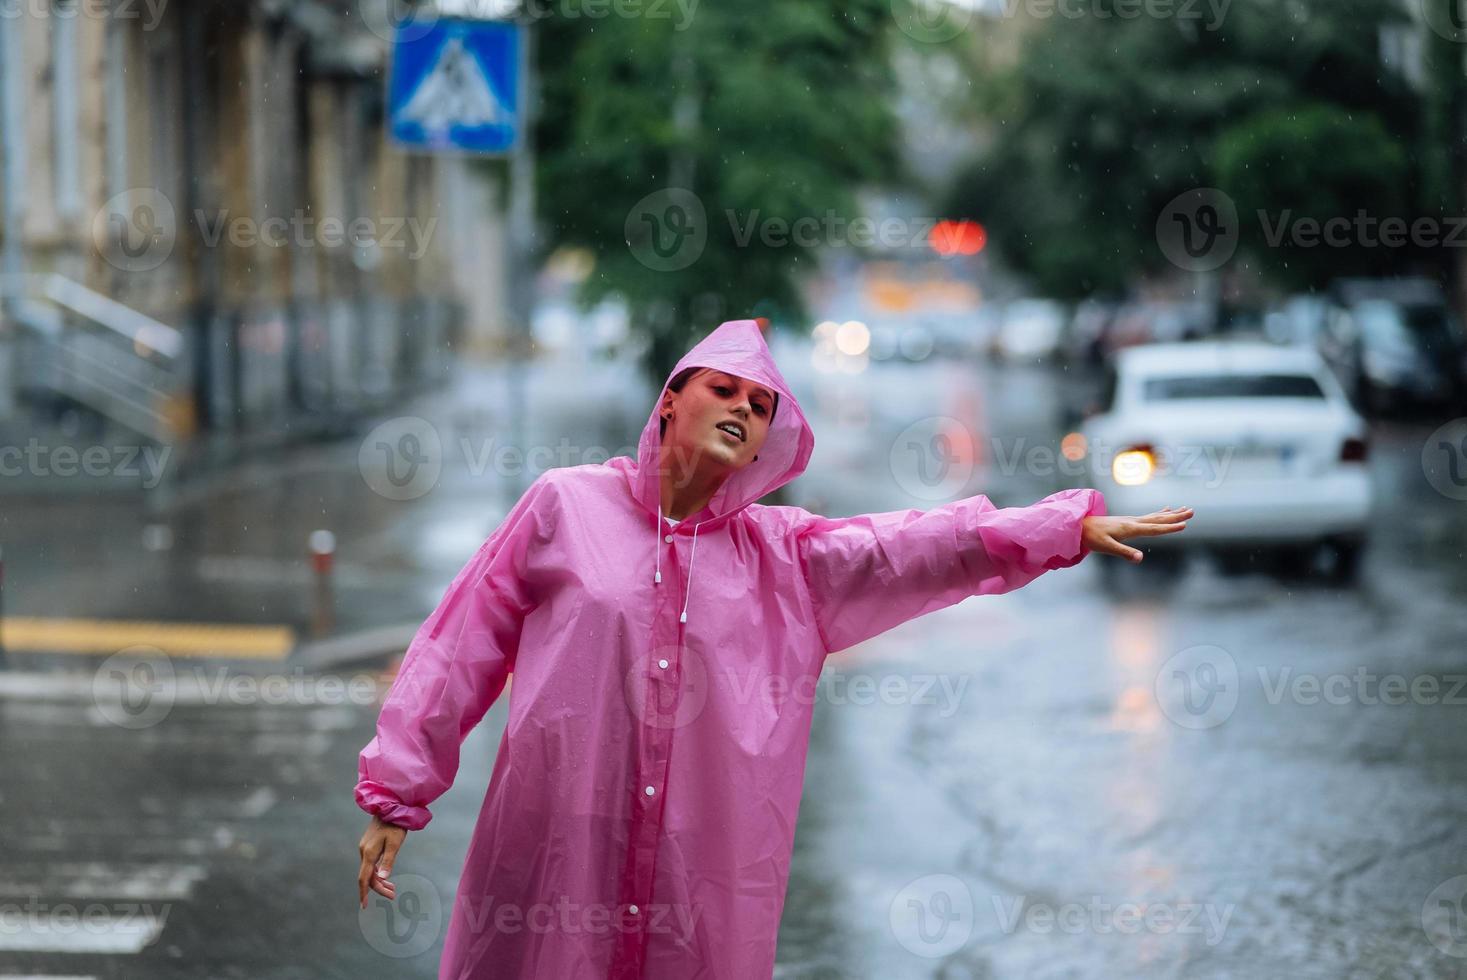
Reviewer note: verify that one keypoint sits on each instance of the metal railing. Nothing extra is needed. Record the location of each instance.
(81, 345)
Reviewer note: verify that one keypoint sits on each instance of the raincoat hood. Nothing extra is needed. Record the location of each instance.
(737, 347)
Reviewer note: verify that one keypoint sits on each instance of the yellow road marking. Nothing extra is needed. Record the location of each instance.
(32, 635)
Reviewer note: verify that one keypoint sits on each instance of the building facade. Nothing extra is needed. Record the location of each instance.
(205, 234)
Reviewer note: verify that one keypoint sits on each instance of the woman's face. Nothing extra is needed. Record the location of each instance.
(709, 405)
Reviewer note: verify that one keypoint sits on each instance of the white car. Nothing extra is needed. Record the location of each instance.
(1259, 439)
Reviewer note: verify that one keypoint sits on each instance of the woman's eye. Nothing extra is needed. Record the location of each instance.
(761, 409)
(721, 389)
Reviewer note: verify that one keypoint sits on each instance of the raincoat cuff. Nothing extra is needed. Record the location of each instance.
(1017, 543)
(1094, 507)
(379, 801)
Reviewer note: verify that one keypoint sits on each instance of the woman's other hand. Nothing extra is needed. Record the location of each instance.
(378, 847)
(1105, 534)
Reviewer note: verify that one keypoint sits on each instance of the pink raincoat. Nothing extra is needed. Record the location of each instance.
(641, 813)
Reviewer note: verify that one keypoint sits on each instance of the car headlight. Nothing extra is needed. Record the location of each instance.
(1133, 467)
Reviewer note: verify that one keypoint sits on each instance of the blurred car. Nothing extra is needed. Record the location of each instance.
(1407, 356)
(1128, 328)
(1031, 330)
(1298, 321)
(1155, 321)
(915, 342)
(1395, 344)
(1084, 339)
(603, 331)
(961, 334)
(896, 342)
(1259, 439)
(885, 342)
(1235, 321)
(1177, 321)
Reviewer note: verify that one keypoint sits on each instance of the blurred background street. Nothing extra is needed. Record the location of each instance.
(297, 297)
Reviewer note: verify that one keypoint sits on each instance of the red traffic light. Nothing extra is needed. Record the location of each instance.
(958, 238)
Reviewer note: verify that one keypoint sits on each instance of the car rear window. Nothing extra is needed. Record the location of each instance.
(1231, 386)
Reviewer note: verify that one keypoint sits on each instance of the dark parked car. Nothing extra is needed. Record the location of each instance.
(1396, 345)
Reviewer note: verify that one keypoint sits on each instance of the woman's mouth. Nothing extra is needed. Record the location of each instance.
(732, 428)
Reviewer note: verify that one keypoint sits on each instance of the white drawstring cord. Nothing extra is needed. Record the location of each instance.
(657, 577)
(691, 555)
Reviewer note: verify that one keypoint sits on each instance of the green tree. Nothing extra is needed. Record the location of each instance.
(765, 110)
(1104, 119)
(1318, 162)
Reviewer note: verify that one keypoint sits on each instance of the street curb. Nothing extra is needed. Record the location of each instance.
(351, 648)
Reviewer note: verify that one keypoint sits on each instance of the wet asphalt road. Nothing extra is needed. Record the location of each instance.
(1014, 787)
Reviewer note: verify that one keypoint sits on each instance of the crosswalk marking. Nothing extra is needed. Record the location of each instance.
(24, 634)
(64, 931)
(87, 879)
(87, 888)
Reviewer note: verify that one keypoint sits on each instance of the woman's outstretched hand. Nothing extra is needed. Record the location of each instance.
(1104, 534)
(378, 847)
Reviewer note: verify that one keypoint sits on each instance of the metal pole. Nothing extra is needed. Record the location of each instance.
(12, 133)
(322, 547)
(12, 193)
(1457, 169)
(522, 252)
(2, 608)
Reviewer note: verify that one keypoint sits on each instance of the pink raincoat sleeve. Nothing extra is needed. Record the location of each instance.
(454, 669)
(871, 572)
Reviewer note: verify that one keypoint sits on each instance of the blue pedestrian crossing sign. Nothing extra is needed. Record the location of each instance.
(455, 85)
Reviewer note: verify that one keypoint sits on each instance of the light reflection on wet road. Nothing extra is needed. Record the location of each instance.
(1073, 815)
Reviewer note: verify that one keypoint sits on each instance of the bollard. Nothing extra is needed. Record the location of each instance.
(322, 546)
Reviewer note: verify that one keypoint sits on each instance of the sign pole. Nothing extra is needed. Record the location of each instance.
(467, 85)
(522, 254)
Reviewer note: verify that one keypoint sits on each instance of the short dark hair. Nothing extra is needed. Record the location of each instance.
(680, 380)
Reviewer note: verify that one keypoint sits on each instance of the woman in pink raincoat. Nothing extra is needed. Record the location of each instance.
(641, 813)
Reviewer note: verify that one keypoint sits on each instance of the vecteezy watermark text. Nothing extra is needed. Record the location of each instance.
(404, 457)
(943, 691)
(1364, 230)
(423, 16)
(1199, 230)
(668, 230)
(938, 21)
(146, 463)
(305, 231)
(138, 229)
(1102, 917)
(134, 924)
(149, 12)
(1362, 686)
(936, 457)
(567, 917)
(830, 229)
(936, 915)
(1210, 12)
(138, 688)
(409, 925)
